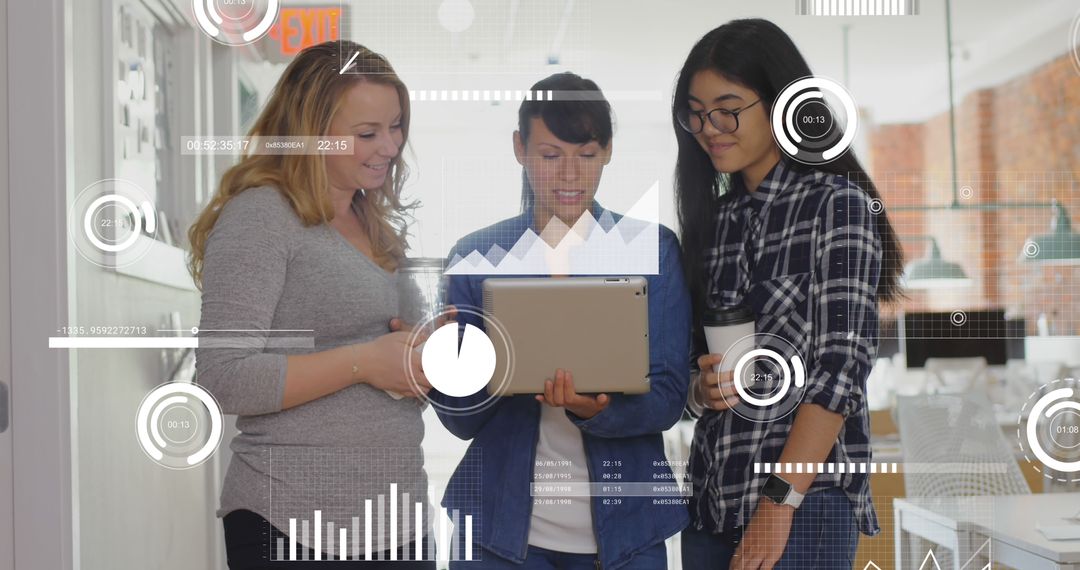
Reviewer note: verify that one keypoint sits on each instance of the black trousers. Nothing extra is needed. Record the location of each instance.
(249, 539)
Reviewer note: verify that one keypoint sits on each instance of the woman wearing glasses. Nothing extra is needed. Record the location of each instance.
(800, 247)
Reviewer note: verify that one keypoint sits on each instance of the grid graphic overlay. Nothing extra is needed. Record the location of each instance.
(951, 467)
(993, 240)
(372, 504)
(491, 37)
(921, 545)
(914, 536)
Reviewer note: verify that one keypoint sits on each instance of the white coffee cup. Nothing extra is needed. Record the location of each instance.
(723, 328)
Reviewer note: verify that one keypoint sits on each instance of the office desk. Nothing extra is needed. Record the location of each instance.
(964, 525)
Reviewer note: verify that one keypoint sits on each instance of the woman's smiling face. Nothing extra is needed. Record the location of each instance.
(370, 113)
(751, 143)
(564, 176)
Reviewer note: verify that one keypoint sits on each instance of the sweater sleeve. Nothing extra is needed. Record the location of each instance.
(243, 277)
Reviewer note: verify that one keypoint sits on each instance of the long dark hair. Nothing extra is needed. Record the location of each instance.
(579, 114)
(759, 55)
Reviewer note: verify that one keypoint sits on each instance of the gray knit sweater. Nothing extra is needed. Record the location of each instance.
(263, 270)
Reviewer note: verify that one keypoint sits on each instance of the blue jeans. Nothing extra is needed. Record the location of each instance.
(654, 558)
(823, 537)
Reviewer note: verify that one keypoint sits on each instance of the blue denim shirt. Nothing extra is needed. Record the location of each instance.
(624, 438)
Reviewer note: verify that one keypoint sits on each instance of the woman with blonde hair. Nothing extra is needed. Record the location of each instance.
(311, 242)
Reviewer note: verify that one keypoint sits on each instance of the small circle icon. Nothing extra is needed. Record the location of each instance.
(179, 425)
(458, 372)
(769, 375)
(875, 206)
(1031, 249)
(464, 369)
(809, 129)
(1065, 429)
(128, 226)
(958, 318)
(235, 22)
(1051, 429)
(813, 119)
(785, 376)
(106, 220)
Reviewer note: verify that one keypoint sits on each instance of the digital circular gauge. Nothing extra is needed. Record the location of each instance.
(806, 127)
(235, 22)
(179, 425)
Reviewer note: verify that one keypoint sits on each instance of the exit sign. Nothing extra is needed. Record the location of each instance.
(300, 27)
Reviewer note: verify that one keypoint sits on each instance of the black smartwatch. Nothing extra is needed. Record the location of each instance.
(781, 492)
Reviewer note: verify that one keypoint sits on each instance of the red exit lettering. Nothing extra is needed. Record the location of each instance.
(298, 28)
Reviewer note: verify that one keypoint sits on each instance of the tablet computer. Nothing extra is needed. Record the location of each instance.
(597, 328)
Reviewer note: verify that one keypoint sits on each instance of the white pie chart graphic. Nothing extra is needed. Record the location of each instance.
(458, 373)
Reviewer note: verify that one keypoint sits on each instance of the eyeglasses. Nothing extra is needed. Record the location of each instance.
(725, 120)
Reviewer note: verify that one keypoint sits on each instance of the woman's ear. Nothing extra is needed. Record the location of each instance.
(519, 148)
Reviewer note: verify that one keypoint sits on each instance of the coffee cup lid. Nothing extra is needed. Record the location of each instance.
(725, 316)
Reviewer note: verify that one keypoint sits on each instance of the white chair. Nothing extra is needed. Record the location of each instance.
(955, 375)
(880, 389)
(905, 381)
(961, 433)
(953, 447)
(1047, 371)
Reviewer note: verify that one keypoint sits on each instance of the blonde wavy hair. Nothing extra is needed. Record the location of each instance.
(303, 103)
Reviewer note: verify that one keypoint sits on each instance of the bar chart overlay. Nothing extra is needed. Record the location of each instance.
(332, 504)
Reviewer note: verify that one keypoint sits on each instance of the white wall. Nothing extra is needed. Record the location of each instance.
(131, 513)
(40, 461)
(7, 512)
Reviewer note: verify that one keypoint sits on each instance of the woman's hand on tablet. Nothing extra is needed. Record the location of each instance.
(391, 363)
(562, 394)
(715, 390)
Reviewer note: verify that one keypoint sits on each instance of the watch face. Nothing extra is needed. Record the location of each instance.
(775, 489)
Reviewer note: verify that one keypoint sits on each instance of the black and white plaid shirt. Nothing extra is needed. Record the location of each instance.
(802, 252)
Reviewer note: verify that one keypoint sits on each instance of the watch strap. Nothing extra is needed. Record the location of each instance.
(793, 498)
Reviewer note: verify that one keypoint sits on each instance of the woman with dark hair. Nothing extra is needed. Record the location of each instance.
(800, 247)
(563, 146)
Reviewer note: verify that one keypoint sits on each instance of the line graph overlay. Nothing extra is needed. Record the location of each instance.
(623, 239)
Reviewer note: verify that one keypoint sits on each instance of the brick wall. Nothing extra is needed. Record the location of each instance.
(1016, 142)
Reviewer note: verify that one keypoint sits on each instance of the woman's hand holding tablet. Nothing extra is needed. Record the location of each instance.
(562, 394)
